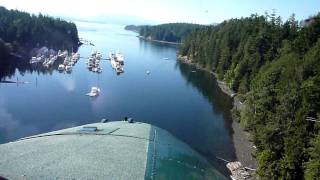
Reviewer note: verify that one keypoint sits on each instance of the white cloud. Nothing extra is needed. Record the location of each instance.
(11, 125)
(67, 82)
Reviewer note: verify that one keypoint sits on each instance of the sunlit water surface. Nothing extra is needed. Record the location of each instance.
(174, 97)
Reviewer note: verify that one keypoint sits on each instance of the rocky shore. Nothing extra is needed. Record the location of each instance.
(241, 139)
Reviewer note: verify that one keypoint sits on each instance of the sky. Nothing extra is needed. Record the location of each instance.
(165, 11)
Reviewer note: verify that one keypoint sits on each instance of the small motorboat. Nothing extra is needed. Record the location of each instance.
(33, 60)
(119, 58)
(94, 92)
(68, 68)
(61, 67)
(119, 69)
(94, 69)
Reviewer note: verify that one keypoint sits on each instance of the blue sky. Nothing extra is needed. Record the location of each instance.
(162, 11)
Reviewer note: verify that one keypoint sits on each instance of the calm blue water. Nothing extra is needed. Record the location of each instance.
(187, 104)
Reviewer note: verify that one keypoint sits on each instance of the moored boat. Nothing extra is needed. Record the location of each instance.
(94, 92)
(61, 67)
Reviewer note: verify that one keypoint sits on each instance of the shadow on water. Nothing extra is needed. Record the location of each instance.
(8, 70)
(144, 44)
(221, 104)
(8, 66)
(21, 60)
(206, 84)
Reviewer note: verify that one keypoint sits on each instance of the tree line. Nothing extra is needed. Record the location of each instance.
(21, 31)
(171, 32)
(274, 67)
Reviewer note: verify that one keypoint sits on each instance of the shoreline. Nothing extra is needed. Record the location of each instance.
(159, 41)
(241, 139)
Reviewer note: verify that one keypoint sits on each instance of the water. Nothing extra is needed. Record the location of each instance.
(187, 104)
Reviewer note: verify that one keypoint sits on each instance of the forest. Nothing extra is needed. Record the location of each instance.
(171, 32)
(274, 67)
(21, 31)
(133, 28)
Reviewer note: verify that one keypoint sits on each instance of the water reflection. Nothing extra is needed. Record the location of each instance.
(10, 127)
(206, 84)
(68, 83)
(8, 70)
(23, 64)
(162, 47)
(221, 104)
(187, 104)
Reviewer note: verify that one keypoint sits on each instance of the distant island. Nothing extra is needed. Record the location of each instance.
(165, 33)
(24, 31)
(133, 28)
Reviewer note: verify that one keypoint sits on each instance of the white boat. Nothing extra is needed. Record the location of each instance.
(76, 56)
(119, 69)
(116, 65)
(68, 68)
(98, 56)
(46, 63)
(119, 58)
(61, 67)
(63, 54)
(95, 69)
(113, 63)
(54, 58)
(33, 60)
(94, 92)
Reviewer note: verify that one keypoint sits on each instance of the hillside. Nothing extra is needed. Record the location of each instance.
(172, 32)
(21, 31)
(274, 68)
(133, 28)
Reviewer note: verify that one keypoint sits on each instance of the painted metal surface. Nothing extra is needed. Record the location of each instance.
(114, 150)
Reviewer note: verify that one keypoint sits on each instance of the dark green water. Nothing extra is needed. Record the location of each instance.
(187, 104)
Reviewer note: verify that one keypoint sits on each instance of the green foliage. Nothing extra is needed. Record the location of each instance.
(313, 166)
(21, 29)
(5, 49)
(276, 67)
(133, 28)
(172, 32)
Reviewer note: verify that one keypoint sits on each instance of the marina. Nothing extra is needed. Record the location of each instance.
(116, 61)
(47, 58)
(93, 62)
